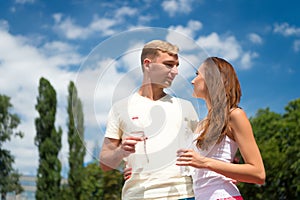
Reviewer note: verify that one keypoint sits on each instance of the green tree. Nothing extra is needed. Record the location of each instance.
(278, 138)
(76, 142)
(290, 136)
(102, 185)
(48, 141)
(112, 182)
(9, 178)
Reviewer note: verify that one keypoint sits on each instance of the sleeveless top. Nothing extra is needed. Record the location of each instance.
(209, 185)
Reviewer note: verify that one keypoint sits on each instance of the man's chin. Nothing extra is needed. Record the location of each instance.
(167, 84)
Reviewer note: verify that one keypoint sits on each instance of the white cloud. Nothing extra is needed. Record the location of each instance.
(255, 38)
(143, 19)
(192, 27)
(61, 54)
(57, 17)
(69, 29)
(246, 60)
(25, 1)
(126, 11)
(91, 88)
(286, 30)
(105, 26)
(24, 150)
(222, 46)
(227, 47)
(4, 25)
(173, 7)
(296, 45)
(183, 36)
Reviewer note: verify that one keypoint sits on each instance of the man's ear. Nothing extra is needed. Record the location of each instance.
(146, 63)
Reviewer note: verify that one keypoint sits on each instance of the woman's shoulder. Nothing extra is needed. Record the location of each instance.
(237, 113)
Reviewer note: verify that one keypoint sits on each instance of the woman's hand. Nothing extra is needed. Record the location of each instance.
(188, 157)
(127, 173)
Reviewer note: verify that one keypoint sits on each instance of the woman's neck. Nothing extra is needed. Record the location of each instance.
(208, 104)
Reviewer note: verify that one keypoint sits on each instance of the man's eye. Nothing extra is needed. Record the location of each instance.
(170, 65)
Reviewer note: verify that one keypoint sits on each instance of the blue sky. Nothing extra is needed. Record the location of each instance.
(97, 44)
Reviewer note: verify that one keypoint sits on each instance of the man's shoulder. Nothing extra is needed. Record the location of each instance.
(124, 102)
(121, 102)
(181, 100)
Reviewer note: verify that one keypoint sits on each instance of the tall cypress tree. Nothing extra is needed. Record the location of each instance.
(9, 177)
(76, 142)
(48, 141)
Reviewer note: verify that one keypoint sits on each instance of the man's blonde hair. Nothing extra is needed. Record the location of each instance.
(152, 48)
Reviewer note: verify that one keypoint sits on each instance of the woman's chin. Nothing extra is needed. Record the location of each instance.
(197, 96)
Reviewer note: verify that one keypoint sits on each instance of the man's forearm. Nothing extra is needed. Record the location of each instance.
(111, 159)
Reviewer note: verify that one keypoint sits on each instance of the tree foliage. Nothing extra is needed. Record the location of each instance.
(76, 142)
(9, 178)
(278, 137)
(48, 141)
(102, 185)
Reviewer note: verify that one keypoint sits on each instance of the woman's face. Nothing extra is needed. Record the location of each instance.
(200, 88)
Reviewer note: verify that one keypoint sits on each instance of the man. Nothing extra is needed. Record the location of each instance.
(166, 121)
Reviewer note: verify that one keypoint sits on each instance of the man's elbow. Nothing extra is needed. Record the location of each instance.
(105, 167)
(103, 162)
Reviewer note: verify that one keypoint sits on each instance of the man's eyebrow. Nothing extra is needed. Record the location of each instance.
(171, 62)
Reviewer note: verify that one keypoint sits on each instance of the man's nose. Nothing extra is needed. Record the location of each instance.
(174, 70)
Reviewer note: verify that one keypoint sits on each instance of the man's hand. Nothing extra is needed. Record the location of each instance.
(128, 145)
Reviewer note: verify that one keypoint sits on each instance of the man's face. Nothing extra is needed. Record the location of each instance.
(163, 70)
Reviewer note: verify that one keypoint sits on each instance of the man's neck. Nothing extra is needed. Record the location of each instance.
(151, 92)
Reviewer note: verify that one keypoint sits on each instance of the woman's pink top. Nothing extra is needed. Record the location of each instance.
(209, 185)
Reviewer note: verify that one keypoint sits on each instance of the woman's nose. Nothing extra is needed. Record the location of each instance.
(193, 81)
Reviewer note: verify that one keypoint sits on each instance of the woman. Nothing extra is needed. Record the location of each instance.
(225, 130)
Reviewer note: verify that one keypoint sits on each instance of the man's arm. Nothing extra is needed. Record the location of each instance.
(113, 151)
(110, 155)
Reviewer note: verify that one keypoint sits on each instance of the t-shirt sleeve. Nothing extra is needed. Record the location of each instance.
(113, 125)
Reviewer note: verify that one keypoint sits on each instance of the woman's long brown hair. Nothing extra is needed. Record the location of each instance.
(219, 111)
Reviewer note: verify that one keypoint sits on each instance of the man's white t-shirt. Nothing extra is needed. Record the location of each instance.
(168, 123)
